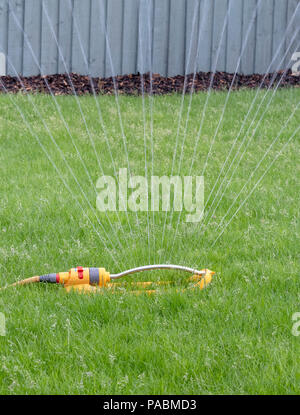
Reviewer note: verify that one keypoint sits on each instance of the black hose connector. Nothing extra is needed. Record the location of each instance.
(48, 278)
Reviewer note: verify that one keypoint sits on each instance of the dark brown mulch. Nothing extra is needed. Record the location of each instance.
(131, 84)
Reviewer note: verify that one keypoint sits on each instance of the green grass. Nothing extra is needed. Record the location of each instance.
(233, 337)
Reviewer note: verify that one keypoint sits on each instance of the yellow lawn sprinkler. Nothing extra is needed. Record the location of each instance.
(88, 280)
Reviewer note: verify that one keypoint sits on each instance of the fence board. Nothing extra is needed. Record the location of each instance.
(264, 36)
(81, 36)
(234, 38)
(113, 65)
(49, 51)
(15, 37)
(3, 34)
(32, 28)
(97, 38)
(247, 59)
(191, 34)
(176, 57)
(65, 37)
(130, 34)
(161, 36)
(205, 37)
(218, 57)
(143, 47)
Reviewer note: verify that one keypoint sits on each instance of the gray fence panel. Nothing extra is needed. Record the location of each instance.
(97, 38)
(161, 36)
(234, 37)
(130, 36)
(65, 29)
(247, 59)
(218, 57)
(81, 36)
(32, 28)
(114, 27)
(49, 50)
(280, 15)
(127, 36)
(191, 34)
(176, 58)
(205, 35)
(144, 47)
(3, 31)
(15, 37)
(264, 36)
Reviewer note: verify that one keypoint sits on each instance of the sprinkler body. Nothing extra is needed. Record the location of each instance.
(95, 279)
(79, 276)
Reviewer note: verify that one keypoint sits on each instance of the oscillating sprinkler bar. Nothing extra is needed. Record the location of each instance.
(91, 279)
(157, 266)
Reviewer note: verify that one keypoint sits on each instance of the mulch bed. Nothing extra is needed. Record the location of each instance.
(131, 84)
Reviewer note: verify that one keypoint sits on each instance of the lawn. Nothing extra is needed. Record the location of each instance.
(233, 337)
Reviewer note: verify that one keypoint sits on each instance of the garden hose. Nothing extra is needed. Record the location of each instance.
(95, 279)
